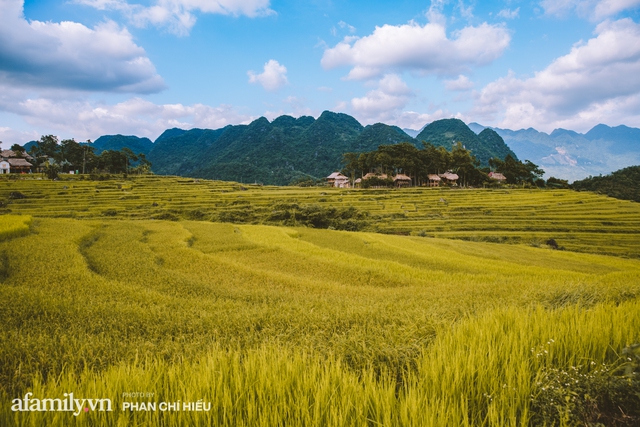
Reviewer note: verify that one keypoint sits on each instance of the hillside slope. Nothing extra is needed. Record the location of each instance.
(622, 184)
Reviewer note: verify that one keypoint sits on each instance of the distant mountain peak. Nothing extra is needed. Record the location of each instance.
(560, 131)
(446, 132)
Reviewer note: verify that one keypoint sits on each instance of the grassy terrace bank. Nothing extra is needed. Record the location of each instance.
(582, 222)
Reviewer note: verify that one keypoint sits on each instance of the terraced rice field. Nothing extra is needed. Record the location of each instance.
(582, 222)
(135, 286)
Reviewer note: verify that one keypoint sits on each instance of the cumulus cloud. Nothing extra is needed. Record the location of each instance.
(71, 56)
(10, 136)
(383, 103)
(596, 81)
(462, 83)
(273, 77)
(423, 48)
(593, 9)
(179, 15)
(84, 119)
(407, 119)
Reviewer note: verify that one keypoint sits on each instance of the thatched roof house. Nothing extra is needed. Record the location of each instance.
(497, 176)
(17, 165)
(434, 180)
(401, 180)
(449, 178)
(336, 179)
(375, 175)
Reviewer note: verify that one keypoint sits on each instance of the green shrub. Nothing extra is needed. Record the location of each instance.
(591, 395)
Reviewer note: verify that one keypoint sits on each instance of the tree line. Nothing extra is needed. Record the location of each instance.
(418, 163)
(69, 155)
(621, 184)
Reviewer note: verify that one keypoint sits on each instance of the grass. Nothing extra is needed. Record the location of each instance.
(294, 325)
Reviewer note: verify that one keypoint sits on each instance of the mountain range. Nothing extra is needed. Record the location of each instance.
(571, 155)
(289, 149)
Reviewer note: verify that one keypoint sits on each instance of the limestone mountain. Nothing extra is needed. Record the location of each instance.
(447, 132)
(274, 152)
(288, 149)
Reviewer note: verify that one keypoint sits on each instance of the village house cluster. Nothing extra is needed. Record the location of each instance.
(14, 162)
(339, 180)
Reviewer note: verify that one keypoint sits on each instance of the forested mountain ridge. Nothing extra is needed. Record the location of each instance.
(118, 142)
(274, 152)
(447, 132)
(288, 149)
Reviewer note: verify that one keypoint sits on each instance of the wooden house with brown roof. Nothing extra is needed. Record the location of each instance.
(338, 180)
(12, 162)
(401, 180)
(449, 178)
(434, 180)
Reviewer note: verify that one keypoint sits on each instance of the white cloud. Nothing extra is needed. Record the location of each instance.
(344, 26)
(9, 136)
(423, 48)
(462, 83)
(272, 78)
(71, 56)
(465, 11)
(593, 9)
(606, 8)
(84, 119)
(409, 119)
(414, 120)
(178, 15)
(382, 103)
(596, 82)
(434, 14)
(509, 14)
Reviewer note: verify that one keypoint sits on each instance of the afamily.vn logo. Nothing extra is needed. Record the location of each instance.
(66, 404)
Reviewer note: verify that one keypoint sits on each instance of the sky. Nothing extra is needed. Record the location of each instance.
(85, 68)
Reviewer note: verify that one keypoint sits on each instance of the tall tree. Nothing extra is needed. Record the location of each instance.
(71, 155)
(465, 165)
(18, 149)
(516, 171)
(46, 147)
(352, 165)
(437, 159)
(129, 157)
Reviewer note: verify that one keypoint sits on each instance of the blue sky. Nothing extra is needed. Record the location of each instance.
(84, 68)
